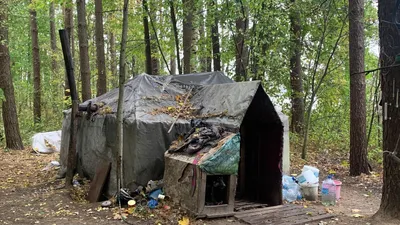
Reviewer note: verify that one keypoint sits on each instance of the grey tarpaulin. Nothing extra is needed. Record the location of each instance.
(145, 135)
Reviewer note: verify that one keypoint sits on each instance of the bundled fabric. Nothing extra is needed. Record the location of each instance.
(225, 161)
(202, 138)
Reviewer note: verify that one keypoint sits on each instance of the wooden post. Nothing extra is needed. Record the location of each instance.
(71, 163)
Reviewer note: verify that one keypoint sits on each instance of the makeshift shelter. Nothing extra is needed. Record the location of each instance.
(215, 98)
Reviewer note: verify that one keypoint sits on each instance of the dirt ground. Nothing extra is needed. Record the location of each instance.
(30, 195)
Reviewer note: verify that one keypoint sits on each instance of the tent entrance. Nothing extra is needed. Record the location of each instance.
(259, 175)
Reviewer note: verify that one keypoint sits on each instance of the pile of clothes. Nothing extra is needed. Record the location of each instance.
(201, 138)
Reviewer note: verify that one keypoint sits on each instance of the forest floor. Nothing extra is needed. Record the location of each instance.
(31, 195)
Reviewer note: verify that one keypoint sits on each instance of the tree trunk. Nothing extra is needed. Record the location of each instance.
(36, 67)
(215, 40)
(113, 60)
(120, 109)
(390, 47)
(296, 78)
(241, 50)
(358, 137)
(83, 50)
(175, 29)
(53, 40)
(188, 9)
(203, 44)
(69, 26)
(101, 61)
(172, 64)
(147, 38)
(9, 110)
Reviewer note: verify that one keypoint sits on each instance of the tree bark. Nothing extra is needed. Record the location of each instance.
(358, 137)
(176, 39)
(83, 50)
(120, 109)
(215, 40)
(241, 49)
(36, 67)
(9, 110)
(69, 26)
(188, 9)
(296, 78)
(147, 38)
(113, 60)
(101, 61)
(389, 49)
(53, 40)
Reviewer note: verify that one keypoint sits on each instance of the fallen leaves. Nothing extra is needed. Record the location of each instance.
(184, 221)
(357, 215)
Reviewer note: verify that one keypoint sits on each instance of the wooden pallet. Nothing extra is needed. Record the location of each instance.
(241, 205)
(281, 215)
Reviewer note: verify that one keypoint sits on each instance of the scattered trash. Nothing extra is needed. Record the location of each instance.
(328, 192)
(76, 183)
(52, 164)
(291, 190)
(153, 185)
(307, 177)
(357, 215)
(152, 204)
(107, 203)
(313, 169)
(131, 203)
(154, 194)
(161, 197)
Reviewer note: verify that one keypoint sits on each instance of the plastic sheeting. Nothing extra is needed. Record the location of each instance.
(47, 142)
(146, 136)
(225, 161)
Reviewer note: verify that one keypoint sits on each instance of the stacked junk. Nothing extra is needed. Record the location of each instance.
(306, 186)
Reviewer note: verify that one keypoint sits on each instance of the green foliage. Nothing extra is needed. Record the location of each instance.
(267, 37)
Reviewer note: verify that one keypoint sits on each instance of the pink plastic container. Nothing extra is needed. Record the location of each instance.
(338, 186)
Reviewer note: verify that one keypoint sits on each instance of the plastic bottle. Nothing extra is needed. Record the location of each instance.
(328, 192)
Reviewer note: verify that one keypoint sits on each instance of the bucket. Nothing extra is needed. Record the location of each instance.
(310, 191)
(338, 185)
(307, 177)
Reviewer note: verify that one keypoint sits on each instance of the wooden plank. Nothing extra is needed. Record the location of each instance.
(97, 184)
(272, 218)
(309, 219)
(252, 206)
(262, 211)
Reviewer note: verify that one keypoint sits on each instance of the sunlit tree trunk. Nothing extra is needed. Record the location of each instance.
(113, 59)
(83, 50)
(215, 39)
(9, 111)
(296, 78)
(53, 40)
(36, 67)
(101, 64)
(358, 136)
(188, 10)
(242, 23)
